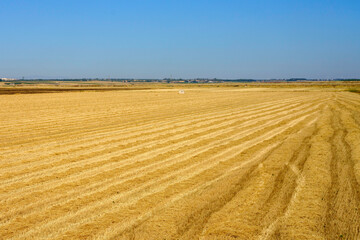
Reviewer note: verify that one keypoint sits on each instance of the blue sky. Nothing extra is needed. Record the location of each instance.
(182, 39)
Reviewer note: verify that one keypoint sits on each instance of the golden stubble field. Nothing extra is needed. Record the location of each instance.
(155, 164)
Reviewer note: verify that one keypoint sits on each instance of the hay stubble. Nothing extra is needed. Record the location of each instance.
(208, 164)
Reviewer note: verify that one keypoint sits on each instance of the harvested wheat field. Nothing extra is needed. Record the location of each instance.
(155, 164)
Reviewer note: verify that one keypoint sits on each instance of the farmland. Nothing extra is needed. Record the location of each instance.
(213, 163)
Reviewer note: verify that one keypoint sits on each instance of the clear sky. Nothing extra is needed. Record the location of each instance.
(182, 39)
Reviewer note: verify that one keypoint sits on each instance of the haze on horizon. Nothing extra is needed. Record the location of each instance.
(182, 39)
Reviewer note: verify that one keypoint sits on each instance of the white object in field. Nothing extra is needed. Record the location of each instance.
(181, 91)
